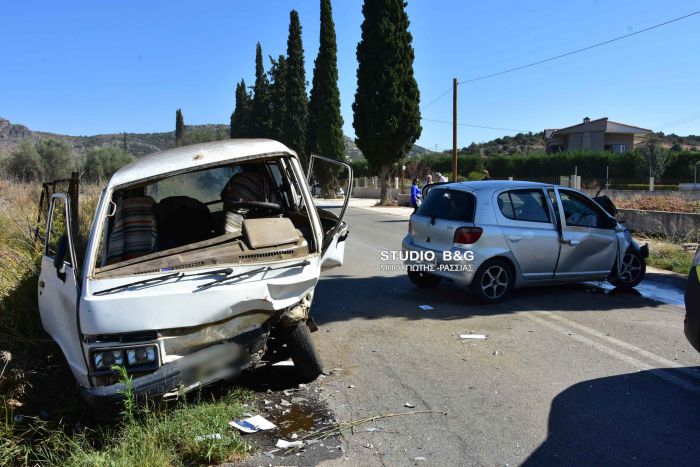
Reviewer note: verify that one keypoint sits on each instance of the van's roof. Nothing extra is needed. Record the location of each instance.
(197, 155)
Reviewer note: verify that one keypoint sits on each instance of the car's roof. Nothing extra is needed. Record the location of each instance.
(494, 185)
(197, 155)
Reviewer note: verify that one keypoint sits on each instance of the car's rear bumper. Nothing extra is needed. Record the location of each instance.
(218, 362)
(461, 271)
(692, 308)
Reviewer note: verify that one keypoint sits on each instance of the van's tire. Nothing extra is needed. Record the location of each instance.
(493, 281)
(634, 268)
(423, 279)
(307, 361)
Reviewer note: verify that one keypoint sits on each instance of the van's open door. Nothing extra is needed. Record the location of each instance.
(330, 181)
(58, 283)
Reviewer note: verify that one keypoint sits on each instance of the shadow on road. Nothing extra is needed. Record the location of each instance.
(340, 298)
(630, 419)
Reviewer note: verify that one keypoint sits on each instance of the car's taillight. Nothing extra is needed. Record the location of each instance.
(468, 235)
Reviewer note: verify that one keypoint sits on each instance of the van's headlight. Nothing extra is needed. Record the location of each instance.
(141, 356)
(104, 360)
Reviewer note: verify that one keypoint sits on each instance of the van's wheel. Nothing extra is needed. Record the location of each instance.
(632, 271)
(304, 354)
(423, 279)
(493, 281)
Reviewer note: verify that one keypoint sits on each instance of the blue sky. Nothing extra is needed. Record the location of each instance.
(86, 67)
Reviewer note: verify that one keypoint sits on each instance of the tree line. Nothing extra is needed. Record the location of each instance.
(638, 164)
(386, 114)
(53, 159)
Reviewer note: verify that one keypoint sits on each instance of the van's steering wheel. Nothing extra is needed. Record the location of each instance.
(256, 206)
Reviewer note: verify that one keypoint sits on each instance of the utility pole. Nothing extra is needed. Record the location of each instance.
(454, 129)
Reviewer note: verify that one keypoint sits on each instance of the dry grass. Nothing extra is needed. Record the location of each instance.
(34, 378)
(658, 203)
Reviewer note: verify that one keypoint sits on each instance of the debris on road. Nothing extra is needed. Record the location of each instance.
(409, 405)
(284, 363)
(253, 424)
(212, 436)
(350, 386)
(472, 336)
(284, 444)
(419, 458)
(425, 307)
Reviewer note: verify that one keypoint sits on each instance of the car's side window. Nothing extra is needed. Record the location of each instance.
(580, 212)
(524, 205)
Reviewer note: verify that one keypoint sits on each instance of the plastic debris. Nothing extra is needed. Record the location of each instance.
(419, 458)
(285, 403)
(472, 336)
(212, 436)
(350, 386)
(284, 444)
(410, 405)
(425, 307)
(372, 429)
(369, 446)
(295, 436)
(253, 424)
(284, 363)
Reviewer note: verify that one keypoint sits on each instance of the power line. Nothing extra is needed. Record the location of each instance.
(476, 126)
(437, 98)
(679, 122)
(510, 70)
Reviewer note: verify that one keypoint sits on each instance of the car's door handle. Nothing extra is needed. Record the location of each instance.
(572, 242)
(515, 238)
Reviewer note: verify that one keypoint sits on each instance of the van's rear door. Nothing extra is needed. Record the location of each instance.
(333, 180)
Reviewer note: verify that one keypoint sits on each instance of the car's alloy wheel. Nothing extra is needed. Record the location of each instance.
(494, 282)
(631, 268)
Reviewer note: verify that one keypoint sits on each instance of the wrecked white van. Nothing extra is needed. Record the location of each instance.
(201, 262)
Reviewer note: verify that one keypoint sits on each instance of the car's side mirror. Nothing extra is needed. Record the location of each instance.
(60, 257)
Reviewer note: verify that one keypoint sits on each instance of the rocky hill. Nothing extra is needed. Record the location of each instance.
(139, 144)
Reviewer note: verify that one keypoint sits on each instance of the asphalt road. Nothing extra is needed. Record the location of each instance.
(573, 374)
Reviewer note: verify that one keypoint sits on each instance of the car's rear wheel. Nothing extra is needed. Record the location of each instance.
(493, 281)
(306, 359)
(423, 279)
(632, 271)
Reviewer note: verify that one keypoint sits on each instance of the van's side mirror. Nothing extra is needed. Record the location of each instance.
(60, 257)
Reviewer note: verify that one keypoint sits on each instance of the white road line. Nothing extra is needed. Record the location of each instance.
(640, 365)
(644, 353)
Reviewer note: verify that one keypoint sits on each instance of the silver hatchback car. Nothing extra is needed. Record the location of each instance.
(499, 235)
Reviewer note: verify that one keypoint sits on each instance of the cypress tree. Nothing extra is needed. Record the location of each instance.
(179, 128)
(386, 116)
(240, 118)
(297, 100)
(260, 124)
(325, 126)
(278, 96)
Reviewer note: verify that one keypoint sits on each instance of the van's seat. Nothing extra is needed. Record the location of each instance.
(134, 233)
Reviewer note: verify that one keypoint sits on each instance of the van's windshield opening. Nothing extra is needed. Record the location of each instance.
(246, 212)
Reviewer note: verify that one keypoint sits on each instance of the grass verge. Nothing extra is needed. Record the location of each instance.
(669, 256)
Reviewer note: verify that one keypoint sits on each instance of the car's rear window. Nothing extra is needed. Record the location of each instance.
(444, 203)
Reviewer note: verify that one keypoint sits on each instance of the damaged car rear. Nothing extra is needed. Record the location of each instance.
(201, 262)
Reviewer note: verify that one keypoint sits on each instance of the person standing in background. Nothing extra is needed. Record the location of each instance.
(441, 178)
(416, 195)
(486, 175)
(428, 179)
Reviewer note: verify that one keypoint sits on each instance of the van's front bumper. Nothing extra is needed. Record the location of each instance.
(217, 362)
